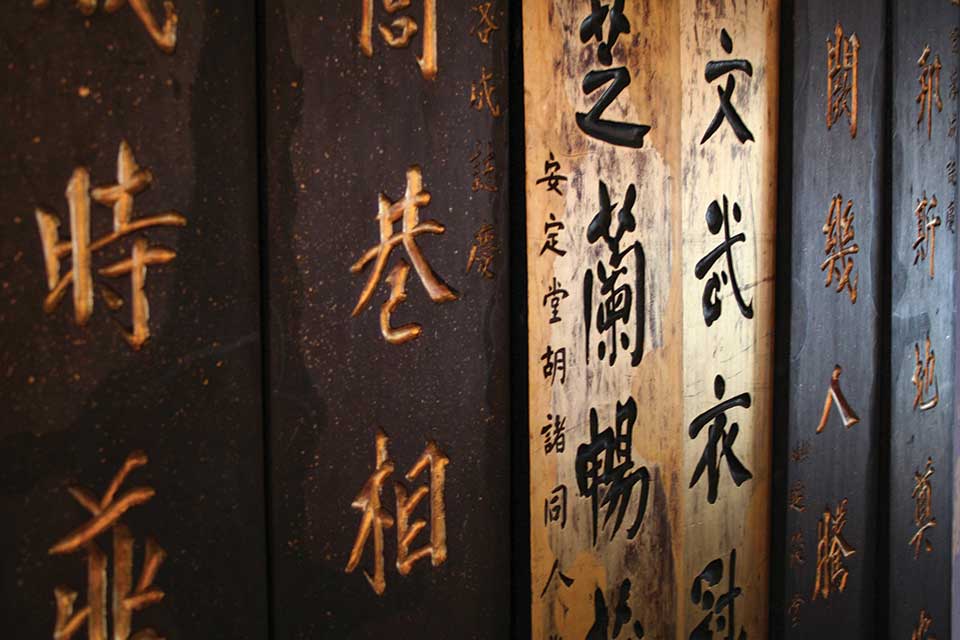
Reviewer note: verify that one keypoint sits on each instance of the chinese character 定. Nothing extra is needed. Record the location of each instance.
(131, 180)
(719, 219)
(552, 229)
(407, 209)
(718, 434)
(127, 596)
(843, 69)
(401, 31)
(376, 518)
(721, 609)
(835, 394)
(840, 247)
(923, 509)
(832, 549)
(606, 462)
(716, 69)
(164, 37)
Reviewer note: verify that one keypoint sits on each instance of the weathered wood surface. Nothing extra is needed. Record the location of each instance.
(924, 165)
(675, 179)
(830, 324)
(342, 128)
(77, 399)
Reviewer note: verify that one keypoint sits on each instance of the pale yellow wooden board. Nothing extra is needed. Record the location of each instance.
(676, 179)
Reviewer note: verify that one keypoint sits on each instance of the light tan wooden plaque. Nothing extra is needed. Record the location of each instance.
(676, 174)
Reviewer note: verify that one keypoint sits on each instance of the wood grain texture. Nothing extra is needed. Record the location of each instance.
(921, 307)
(826, 328)
(676, 178)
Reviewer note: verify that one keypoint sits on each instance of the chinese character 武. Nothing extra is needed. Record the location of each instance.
(719, 219)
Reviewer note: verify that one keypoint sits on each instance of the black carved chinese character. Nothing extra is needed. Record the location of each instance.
(607, 461)
(555, 363)
(721, 611)
(718, 219)
(554, 296)
(718, 434)
(553, 434)
(555, 570)
(726, 111)
(555, 507)
(622, 615)
(552, 229)
(551, 170)
(592, 27)
(619, 300)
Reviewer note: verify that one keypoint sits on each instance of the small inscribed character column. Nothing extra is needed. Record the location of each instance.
(728, 140)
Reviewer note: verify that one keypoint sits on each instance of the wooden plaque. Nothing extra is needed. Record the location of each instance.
(650, 139)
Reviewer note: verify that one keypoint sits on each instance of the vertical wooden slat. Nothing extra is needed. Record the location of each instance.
(925, 67)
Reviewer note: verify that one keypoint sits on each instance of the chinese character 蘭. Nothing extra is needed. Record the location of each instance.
(131, 180)
(407, 209)
(618, 300)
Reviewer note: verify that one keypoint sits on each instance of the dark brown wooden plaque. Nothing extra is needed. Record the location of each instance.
(828, 456)
(154, 345)
(362, 114)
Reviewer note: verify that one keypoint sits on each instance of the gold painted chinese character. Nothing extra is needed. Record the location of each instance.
(926, 241)
(126, 598)
(835, 394)
(401, 31)
(131, 180)
(376, 518)
(832, 548)
(923, 628)
(800, 452)
(923, 509)
(843, 69)
(486, 26)
(796, 603)
(929, 96)
(798, 550)
(484, 169)
(839, 247)
(165, 37)
(925, 378)
(407, 209)
(797, 497)
(483, 250)
(482, 94)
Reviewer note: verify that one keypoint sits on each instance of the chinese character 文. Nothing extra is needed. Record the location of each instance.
(726, 111)
(843, 69)
(929, 96)
(835, 394)
(832, 549)
(622, 615)
(721, 610)
(131, 180)
(606, 461)
(719, 219)
(551, 171)
(165, 38)
(618, 300)
(402, 30)
(592, 123)
(925, 378)
(376, 518)
(923, 509)
(840, 247)
(926, 241)
(407, 209)
(127, 596)
(718, 434)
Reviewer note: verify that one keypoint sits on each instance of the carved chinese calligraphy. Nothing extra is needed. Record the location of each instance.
(131, 180)
(843, 78)
(832, 550)
(164, 37)
(401, 31)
